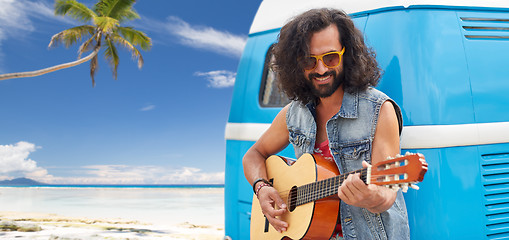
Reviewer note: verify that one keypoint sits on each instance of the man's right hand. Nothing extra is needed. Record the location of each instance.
(272, 207)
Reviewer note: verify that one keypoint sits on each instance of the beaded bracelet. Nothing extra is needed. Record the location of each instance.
(260, 187)
(260, 180)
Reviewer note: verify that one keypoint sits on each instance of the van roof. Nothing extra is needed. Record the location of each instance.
(273, 14)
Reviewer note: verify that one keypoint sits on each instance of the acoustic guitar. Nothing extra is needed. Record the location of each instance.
(310, 186)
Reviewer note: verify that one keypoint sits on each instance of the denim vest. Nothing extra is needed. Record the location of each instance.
(350, 133)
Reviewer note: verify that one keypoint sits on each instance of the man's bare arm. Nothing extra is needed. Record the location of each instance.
(272, 141)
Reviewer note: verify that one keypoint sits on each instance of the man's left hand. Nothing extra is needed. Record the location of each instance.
(355, 192)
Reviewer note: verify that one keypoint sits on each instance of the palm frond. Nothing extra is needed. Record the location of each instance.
(71, 36)
(136, 54)
(135, 37)
(106, 24)
(127, 15)
(106, 17)
(87, 46)
(93, 68)
(74, 9)
(119, 9)
(111, 55)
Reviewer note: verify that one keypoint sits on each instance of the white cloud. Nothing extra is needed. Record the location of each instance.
(16, 19)
(151, 175)
(206, 38)
(16, 15)
(195, 36)
(14, 160)
(148, 108)
(192, 175)
(219, 79)
(13, 21)
(124, 174)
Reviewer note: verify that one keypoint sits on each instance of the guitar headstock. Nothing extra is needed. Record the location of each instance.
(401, 171)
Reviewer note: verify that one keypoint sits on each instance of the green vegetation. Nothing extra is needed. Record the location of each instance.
(14, 226)
(104, 30)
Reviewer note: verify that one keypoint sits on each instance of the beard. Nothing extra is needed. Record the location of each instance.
(325, 90)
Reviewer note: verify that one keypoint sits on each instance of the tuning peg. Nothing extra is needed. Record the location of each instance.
(404, 187)
(414, 186)
(392, 186)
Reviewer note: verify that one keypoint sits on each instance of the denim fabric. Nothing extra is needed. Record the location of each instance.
(350, 133)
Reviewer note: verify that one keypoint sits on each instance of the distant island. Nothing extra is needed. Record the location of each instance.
(21, 182)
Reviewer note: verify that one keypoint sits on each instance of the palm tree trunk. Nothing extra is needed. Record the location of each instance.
(50, 69)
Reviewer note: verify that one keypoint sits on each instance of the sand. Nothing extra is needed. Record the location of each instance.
(32, 225)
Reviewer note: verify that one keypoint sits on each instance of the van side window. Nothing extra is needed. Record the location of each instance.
(270, 94)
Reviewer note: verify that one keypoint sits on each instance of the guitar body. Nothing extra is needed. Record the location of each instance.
(313, 220)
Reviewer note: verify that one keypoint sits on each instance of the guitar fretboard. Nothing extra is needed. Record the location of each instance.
(324, 188)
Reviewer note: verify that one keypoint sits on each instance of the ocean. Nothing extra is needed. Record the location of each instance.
(155, 204)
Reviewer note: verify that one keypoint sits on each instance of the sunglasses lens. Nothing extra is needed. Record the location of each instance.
(308, 63)
(331, 60)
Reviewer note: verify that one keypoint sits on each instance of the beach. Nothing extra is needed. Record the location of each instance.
(111, 213)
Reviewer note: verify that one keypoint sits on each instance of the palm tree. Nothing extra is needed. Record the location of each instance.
(106, 17)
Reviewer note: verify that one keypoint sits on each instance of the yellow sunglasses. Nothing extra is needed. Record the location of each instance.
(330, 60)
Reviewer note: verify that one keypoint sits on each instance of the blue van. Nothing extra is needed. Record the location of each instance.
(446, 65)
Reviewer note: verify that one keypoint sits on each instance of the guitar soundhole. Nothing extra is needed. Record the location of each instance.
(292, 199)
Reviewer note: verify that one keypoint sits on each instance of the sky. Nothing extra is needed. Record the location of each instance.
(162, 124)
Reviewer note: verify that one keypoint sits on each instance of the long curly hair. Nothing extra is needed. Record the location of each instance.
(360, 67)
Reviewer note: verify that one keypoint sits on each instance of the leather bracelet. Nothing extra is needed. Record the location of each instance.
(260, 180)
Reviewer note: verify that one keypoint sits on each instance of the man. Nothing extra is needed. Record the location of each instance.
(326, 69)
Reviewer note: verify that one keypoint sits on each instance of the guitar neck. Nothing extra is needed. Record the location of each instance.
(325, 188)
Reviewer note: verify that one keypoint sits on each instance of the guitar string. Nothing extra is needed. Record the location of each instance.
(324, 191)
(310, 193)
(362, 171)
(332, 182)
(340, 177)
